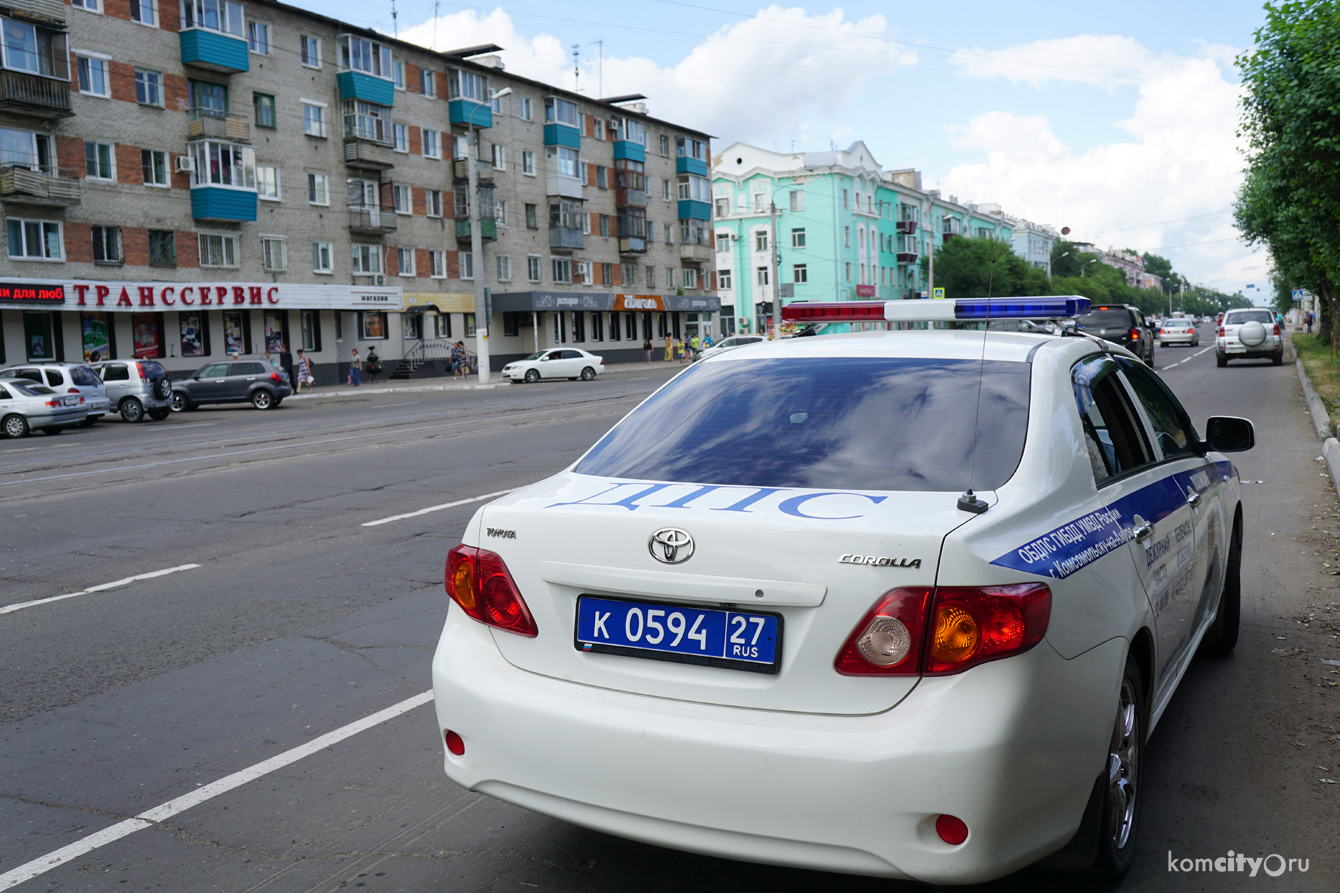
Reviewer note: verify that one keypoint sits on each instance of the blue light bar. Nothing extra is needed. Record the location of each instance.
(1021, 308)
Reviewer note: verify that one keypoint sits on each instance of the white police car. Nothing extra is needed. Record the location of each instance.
(902, 603)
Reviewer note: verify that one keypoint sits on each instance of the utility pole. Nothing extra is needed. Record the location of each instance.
(776, 274)
(477, 255)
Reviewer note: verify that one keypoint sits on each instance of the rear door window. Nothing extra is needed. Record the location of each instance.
(54, 377)
(84, 377)
(115, 372)
(1170, 422)
(846, 422)
(1111, 427)
(214, 370)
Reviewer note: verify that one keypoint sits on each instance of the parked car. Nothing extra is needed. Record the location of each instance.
(1245, 334)
(136, 388)
(262, 384)
(558, 362)
(1121, 324)
(27, 406)
(728, 343)
(1178, 331)
(67, 378)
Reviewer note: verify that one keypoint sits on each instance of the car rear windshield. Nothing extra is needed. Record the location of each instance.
(152, 369)
(846, 423)
(1265, 317)
(84, 377)
(1106, 319)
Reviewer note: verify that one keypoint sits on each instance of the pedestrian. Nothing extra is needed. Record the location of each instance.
(697, 344)
(286, 362)
(646, 348)
(459, 364)
(683, 351)
(373, 366)
(304, 372)
(1307, 318)
(669, 349)
(355, 369)
(707, 342)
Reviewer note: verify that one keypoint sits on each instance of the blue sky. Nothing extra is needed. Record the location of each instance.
(1115, 120)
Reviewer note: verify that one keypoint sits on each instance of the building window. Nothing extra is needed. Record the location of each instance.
(149, 87)
(258, 38)
(428, 83)
(367, 259)
(404, 261)
(560, 111)
(847, 265)
(313, 119)
(601, 179)
(665, 188)
(605, 225)
(309, 49)
(402, 198)
(581, 272)
(498, 156)
(38, 50)
(523, 110)
(846, 236)
(690, 277)
(401, 136)
(607, 274)
(217, 250)
(401, 78)
(153, 167)
(360, 54)
(99, 161)
(561, 267)
(432, 148)
(533, 267)
(35, 239)
(107, 245)
(846, 200)
(665, 147)
(669, 234)
(437, 260)
(504, 268)
(443, 326)
(433, 197)
(723, 280)
(797, 238)
(466, 262)
(628, 274)
(532, 218)
(265, 110)
(761, 240)
(798, 274)
(93, 77)
(223, 164)
(267, 182)
(274, 257)
(372, 325)
(318, 189)
(468, 85)
(528, 162)
(797, 200)
(670, 277)
(213, 15)
(761, 276)
(311, 330)
(162, 248)
(144, 11)
(500, 213)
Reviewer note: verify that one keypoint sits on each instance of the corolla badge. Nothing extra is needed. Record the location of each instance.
(670, 545)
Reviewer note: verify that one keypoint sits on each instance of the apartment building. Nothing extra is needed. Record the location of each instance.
(846, 229)
(190, 180)
(1034, 243)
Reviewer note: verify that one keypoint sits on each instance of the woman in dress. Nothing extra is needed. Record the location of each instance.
(458, 363)
(304, 367)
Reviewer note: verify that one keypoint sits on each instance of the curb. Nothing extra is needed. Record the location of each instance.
(1320, 418)
(344, 391)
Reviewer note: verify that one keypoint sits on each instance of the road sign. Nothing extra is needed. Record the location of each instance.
(938, 293)
(1299, 294)
(786, 290)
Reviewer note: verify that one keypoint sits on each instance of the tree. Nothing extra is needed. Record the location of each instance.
(978, 268)
(1290, 199)
(1161, 267)
(1069, 260)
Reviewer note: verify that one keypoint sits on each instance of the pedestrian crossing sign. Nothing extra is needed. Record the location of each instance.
(937, 293)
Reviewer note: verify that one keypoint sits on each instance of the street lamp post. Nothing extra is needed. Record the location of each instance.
(477, 236)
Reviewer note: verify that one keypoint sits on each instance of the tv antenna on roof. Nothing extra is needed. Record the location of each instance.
(395, 25)
(576, 69)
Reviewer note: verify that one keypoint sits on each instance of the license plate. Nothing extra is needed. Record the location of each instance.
(69, 401)
(736, 640)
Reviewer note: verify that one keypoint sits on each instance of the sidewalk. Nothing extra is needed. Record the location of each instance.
(471, 383)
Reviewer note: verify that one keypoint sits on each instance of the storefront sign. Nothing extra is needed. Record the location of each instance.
(25, 293)
(638, 302)
(865, 291)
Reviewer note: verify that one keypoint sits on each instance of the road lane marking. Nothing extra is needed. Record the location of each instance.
(100, 588)
(438, 508)
(1188, 359)
(43, 864)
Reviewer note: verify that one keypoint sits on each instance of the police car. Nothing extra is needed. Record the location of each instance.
(901, 603)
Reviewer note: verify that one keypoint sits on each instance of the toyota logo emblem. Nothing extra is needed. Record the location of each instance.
(670, 545)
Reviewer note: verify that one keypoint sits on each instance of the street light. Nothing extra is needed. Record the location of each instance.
(476, 236)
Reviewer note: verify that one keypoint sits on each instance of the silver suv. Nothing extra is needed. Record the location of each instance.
(66, 378)
(1246, 334)
(137, 388)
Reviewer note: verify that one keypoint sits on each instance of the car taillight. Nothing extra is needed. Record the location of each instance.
(53, 403)
(72, 391)
(1163, 331)
(480, 583)
(274, 376)
(887, 641)
(140, 367)
(972, 625)
(1135, 334)
(1221, 331)
(939, 632)
(1277, 328)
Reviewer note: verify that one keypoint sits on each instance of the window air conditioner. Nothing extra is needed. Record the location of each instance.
(185, 164)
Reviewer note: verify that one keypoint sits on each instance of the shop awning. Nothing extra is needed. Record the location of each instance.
(442, 302)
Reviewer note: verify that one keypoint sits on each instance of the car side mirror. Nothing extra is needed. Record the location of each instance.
(1227, 434)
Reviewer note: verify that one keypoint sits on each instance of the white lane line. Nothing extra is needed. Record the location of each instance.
(438, 508)
(43, 864)
(100, 588)
(389, 405)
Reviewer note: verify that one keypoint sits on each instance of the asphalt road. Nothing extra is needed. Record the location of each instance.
(224, 691)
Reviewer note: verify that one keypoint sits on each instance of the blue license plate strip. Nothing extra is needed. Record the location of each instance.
(735, 640)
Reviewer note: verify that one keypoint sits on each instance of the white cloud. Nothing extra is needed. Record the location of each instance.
(1165, 189)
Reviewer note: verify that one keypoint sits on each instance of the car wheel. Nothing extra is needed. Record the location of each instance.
(1278, 358)
(1220, 361)
(132, 410)
(1222, 635)
(1121, 799)
(262, 399)
(532, 376)
(90, 421)
(180, 403)
(588, 373)
(15, 426)
(163, 389)
(51, 432)
(159, 414)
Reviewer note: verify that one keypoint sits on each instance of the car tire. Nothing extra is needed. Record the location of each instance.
(588, 374)
(1220, 361)
(1278, 359)
(162, 389)
(180, 403)
(532, 376)
(90, 421)
(131, 410)
(161, 413)
(1121, 794)
(262, 399)
(1222, 635)
(14, 426)
(51, 432)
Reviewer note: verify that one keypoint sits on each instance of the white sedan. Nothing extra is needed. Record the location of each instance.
(558, 362)
(904, 603)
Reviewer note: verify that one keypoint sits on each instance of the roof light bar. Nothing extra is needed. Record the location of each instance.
(963, 309)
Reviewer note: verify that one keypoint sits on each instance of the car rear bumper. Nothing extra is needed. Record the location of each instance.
(1011, 747)
(1188, 338)
(1233, 348)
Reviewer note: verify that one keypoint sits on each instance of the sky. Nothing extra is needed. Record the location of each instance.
(1115, 120)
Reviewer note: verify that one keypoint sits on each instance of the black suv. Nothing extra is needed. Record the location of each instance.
(257, 382)
(1121, 324)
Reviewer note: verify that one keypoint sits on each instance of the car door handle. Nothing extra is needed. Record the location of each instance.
(1143, 532)
(1193, 499)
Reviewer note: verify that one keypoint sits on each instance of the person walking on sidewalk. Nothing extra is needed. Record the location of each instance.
(286, 362)
(669, 349)
(355, 369)
(696, 344)
(304, 373)
(646, 348)
(459, 364)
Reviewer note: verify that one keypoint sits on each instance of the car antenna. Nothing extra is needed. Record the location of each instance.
(969, 501)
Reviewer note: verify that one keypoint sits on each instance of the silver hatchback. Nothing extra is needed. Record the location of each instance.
(66, 378)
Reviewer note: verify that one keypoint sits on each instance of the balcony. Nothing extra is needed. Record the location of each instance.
(907, 226)
(907, 257)
(564, 187)
(460, 171)
(51, 187)
(556, 134)
(947, 236)
(629, 150)
(566, 239)
(372, 220)
(632, 245)
(470, 113)
(695, 254)
(31, 94)
(48, 12)
(630, 198)
(223, 203)
(368, 154)
(367, 87)
(686, 165)
(214, 50)
(210, 124)
(488, 229)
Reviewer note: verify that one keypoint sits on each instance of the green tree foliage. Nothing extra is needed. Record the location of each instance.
(1163, 268)
(1290, 200)
(976, 268)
